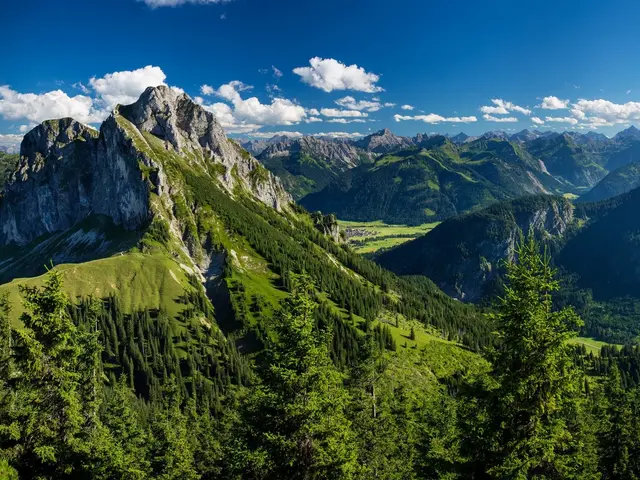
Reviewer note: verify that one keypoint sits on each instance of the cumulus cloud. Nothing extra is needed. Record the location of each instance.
(175, 3)
(10, 140)
(491, 118)
(537, 121)
(313, 120)
(606, 111)
(245, 115)
(434, 118)
(344, 120)
(125, 87)
(553, 103)
(569, 120)
(329, 74)
(369, 106)
(407, 107)
(334, 112)
(502, 107)
(45, 106)
(338, 134)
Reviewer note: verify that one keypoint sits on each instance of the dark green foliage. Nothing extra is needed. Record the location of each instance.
(533, 422)
(8, 165)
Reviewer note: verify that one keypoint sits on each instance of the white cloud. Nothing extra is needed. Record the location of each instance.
(328, 74)
(82, 87)
(313, 111)
(407, 107)
(250, 114)
(175, 3)
(207, 90)
(338, 134)
(502, 107)
(26, 128)
(351, 103)
(491, 118)
(494, 110)
(606, 111)
(553, 103)
(434, 118)
(44, 106)
(537, 121)
(388, 104)
(276, 71)
(312, 120)
(10, 139)
(344, 120)
(125, 87)
(273, 134)
(334, 112)
(569, 120)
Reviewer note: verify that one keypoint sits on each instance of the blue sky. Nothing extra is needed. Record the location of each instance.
(350, 66)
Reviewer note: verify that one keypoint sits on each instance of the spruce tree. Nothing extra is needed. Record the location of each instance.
(295, 422)
(536, 422)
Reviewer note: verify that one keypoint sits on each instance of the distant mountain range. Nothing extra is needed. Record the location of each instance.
(431, 177)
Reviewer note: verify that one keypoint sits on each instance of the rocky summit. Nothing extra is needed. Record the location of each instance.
(132, 175)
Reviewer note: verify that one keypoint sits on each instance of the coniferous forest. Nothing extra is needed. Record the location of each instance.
(89, 392)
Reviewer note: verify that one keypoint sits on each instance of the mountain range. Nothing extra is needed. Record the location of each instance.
(430, 177)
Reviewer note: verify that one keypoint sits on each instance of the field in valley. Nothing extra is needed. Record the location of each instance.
(369, 237)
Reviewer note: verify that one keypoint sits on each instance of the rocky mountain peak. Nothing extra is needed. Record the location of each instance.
(173, 117)
(51, 139)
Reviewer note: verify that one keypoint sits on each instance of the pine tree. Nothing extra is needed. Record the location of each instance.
(535, 417)
(295, 420)
(43, 415)
(616, 438)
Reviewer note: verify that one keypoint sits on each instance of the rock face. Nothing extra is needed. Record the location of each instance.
(383, 142)
(68, 171)
(340, 155)
(463, 255)
(308, 164)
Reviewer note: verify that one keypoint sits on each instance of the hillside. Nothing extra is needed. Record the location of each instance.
(158, 208)
(463, 255)
(622, 180)
(438, 181)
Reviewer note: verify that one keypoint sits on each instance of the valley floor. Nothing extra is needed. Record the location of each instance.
(369, 237)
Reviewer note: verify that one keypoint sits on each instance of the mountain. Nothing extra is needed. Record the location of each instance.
(257, 146)
(524, 136)
(308, 164)
(463, 254)
(460, 138)
(436, 182)
(578, 166)
(631, 133)
(605, 253)
(622, 180)
(160, 212)
(383, 142)
(9, 149)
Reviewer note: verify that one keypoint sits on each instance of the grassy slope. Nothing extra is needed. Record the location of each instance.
(139, 280)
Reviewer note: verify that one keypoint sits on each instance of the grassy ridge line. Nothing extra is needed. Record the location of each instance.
(141, 281)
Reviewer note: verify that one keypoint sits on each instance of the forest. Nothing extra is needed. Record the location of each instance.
(89, 392)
